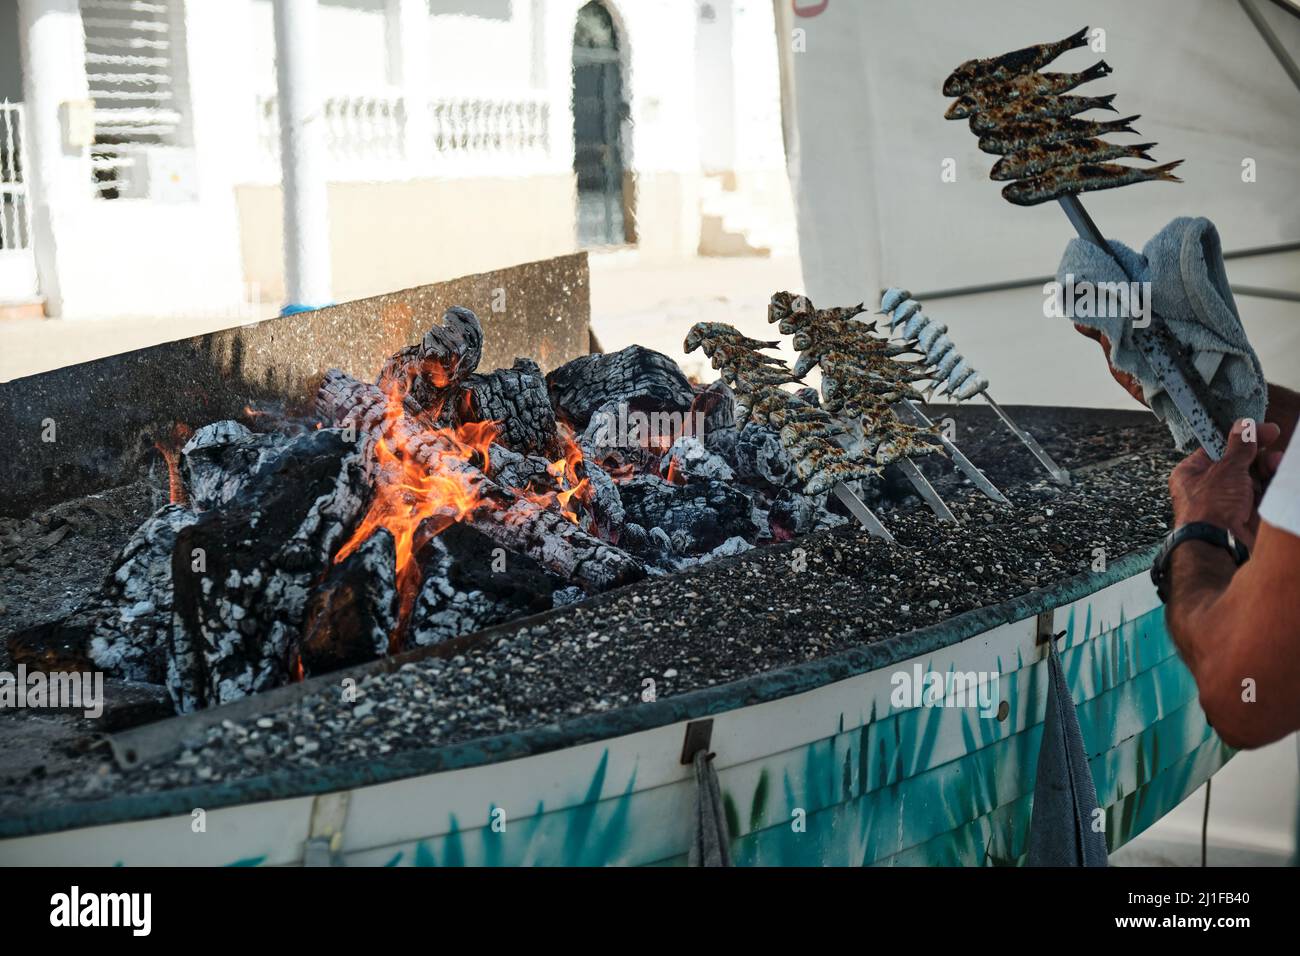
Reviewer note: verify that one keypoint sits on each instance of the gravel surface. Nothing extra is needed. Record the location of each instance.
(766, 609)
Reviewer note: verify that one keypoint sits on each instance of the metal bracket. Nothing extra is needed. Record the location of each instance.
(1043, 627)
(329, 813)
(699, 735)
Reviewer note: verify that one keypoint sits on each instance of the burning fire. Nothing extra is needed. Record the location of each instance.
(170, 449)
(407, 495)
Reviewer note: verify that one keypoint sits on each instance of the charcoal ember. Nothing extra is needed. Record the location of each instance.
(730, 548)
(348, 402)
(560, 546)
(511, 469)
(517, 398)
(469, 585)
(221, 458)
(238, 611)
(759, 456)
(604, 502)
(567, 595)
(794, 514)
(431, 371)
(696, 517)
(515, 523)
(123, 628)
(717, 404)
(636, 377)
(353, 612)
(688, 458)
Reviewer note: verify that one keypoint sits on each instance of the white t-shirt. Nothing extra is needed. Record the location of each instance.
(1281, 504)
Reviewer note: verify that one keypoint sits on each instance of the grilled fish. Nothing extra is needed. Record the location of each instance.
(1021, 136)
(1086, 177)
(723, 333)
(999, 69)
(1035, 108)
(1023, 87)
(1036, 160)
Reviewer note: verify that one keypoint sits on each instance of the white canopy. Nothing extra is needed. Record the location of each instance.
(867, 144)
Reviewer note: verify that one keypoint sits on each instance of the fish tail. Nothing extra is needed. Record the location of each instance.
(1139, 151)
(1164, 172)
(1099, 69)
(1121, 125)
(1076, 40)
(1104, 102)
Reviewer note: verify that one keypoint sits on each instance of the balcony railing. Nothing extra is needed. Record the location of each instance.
(375, 137)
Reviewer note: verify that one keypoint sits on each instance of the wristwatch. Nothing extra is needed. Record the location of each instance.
(1193, 531)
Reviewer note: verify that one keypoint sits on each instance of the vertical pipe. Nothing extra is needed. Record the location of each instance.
(302, 159)
(409, 42)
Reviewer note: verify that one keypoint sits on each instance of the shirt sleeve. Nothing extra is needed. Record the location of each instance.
(1281, 504)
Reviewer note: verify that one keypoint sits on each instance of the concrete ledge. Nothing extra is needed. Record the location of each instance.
(86, 427)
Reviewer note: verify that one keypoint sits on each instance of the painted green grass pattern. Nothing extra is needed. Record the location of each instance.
(929, 785)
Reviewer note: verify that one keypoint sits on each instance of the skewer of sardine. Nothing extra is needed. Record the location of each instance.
(1035, 108)
(1023, 87)
(955, 376)
(1086, 177)
(999, 69)
(861, 381)
(1037, 160)
(811, 436)
(1016, 137)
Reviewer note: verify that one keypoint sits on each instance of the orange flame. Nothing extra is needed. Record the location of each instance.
(407, 494)
(170, 450)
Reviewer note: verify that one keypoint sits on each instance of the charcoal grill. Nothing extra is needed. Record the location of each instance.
(819, 763)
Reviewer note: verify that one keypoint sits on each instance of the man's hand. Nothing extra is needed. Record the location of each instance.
(1225, 492)
(1125, 380)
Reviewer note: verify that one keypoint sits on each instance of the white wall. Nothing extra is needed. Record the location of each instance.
(140, 257)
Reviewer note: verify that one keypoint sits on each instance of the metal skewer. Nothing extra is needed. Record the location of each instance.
(925, 489)
(1161, 353)
(858, 508)
(964, 464)
(1057, 473)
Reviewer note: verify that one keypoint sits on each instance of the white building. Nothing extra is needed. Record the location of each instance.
(141, 173)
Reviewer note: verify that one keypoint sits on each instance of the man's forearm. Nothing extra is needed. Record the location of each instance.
(1199, 576)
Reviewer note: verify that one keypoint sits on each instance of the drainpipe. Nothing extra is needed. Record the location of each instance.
(302, 156)
(52, 49)
(409, 47)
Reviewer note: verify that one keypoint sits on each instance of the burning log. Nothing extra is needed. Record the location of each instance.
(220, 460)
(468, 586)
(697, 516)
(515, 397)
(515, 523)
(242, 574)
(426, 373)
(635, 376)
(352, 614)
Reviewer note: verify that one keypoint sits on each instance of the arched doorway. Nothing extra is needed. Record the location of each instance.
(598, 114)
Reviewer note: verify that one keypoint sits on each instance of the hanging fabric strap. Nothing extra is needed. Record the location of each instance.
(709, 832)
(1063, 828)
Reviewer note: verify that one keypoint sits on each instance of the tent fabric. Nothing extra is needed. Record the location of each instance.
(889, 193)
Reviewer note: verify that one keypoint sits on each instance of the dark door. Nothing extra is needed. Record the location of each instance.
(598, 111)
